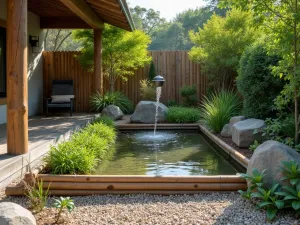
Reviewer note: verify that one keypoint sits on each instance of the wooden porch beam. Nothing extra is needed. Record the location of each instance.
(85, 12)
(63, 23)
(98, 75)
(17, 100)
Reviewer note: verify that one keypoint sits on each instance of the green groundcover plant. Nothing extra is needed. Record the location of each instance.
(179, 114)
(218, 108)
(99, 102)
(280, 129)
(83, 152)
(105, 120)
(276, 198)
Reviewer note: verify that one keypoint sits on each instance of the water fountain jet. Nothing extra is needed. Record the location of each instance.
(159, 82)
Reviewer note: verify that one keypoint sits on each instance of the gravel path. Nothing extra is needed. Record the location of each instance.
(206, 208)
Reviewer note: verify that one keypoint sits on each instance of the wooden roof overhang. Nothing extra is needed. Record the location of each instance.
(75, 14)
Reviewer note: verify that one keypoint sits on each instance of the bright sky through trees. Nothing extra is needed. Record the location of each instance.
(168, 8)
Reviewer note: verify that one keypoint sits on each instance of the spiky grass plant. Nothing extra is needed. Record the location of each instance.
(218, 108)
(99, 102)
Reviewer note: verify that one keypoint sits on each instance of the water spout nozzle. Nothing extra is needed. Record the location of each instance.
(158, 81)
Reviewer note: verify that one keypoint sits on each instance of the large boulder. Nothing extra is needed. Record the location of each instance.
(14, 214)
(145, 112)
(112, 111)
(227, 129)
(243, 134)
(269, 156)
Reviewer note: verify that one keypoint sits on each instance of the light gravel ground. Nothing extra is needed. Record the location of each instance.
(206, 208)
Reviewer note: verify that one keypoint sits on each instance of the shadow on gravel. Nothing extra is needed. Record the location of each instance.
(242, 211)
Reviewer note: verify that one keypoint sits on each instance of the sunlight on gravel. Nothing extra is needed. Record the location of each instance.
(206, 208)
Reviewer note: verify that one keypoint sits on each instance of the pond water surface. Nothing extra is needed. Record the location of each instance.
(167, 153)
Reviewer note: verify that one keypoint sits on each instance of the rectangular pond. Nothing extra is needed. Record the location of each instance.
(166, 153)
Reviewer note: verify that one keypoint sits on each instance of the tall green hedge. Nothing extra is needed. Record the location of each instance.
(256, 83)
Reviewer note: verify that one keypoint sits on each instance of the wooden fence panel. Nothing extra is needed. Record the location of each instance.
(175, 66)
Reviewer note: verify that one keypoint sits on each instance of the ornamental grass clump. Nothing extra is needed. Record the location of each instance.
(99, 102)
(70, 158)
(183, 115)
(105, 120)
(218, 108)
(102, 131)
(83, 152)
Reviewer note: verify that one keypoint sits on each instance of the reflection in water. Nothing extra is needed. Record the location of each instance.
(166, 153)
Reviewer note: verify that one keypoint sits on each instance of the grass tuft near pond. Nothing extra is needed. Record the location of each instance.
(85, 149)
(178, 114)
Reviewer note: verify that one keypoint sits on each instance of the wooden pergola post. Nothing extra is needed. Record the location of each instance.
(17, 99)
(98, 75)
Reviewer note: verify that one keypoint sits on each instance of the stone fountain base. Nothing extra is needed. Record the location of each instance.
(145, 113)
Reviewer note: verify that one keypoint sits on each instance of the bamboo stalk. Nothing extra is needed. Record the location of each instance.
(143, 186)
(19, 191)
(243, 160)
(140, 179)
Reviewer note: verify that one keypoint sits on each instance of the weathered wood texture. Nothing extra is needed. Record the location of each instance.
(17, 99)
(63, 66)
(54, 12)
(75, 185)
(175, 66)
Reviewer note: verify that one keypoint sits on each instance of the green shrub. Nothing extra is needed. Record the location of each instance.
(81, 154)
(183, 115)
(69, 158)
(147, 90)
(189, 93)
(256, 83)
(103, 131)
(99, 102)
(171, 103)
(152, 72)
(99, 146)
(105, 120)
(280, 129)
(219, 108)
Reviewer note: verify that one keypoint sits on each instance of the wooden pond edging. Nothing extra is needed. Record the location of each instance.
(240, 158)
(91, 185)
(82, 185)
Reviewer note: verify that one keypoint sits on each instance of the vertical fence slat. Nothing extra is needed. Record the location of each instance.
(178, 69)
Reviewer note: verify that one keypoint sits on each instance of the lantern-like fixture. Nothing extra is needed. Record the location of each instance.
(158, 81)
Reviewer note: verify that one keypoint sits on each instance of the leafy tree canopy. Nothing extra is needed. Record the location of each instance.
(146, 19)
(122, 52)
(281, 22)
(220, 44)
(174, 35)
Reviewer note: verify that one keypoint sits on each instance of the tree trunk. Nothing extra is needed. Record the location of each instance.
(296, 118)
(62, 41)
(112, 86)
(295, 77)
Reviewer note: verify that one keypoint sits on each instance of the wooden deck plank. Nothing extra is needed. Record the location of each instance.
(42, 129)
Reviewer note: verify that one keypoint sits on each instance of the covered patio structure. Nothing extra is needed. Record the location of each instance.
(54, 14)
